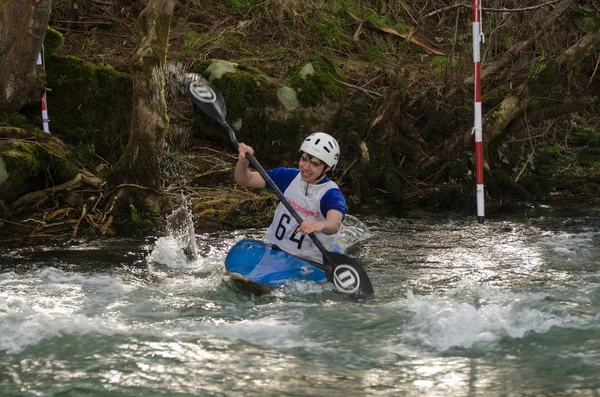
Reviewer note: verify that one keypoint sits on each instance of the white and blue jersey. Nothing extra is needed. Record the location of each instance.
(310, 202)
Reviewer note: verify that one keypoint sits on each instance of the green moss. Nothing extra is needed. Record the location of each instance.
(585, 135)
(315, 79)
(201, 68)
(351, 137)
(90, 105)
(33, 165)
(18, 120)
(52, 41)
(21, 162)
(248, 91)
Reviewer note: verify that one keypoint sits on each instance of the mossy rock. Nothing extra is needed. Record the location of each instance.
(52, 41)
(89, 106)
(316, 79)
(17, 120)
(29, 165)
(263, 112)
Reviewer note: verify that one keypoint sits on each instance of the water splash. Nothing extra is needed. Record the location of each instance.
(352, 232)
(178, 248)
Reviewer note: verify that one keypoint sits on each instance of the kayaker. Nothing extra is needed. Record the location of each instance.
(317, 199)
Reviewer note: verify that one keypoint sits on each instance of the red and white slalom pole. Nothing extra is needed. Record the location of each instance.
(45, 120)
(478, 127)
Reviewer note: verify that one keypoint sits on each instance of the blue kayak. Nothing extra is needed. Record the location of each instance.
(260, 267)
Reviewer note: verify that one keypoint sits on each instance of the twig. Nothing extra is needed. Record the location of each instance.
(87, 22)
(347, 169)
(595, 70)
(138, 186)
(92, 181)
(17, 223)
(524, 166)
(211, 172)
(364, 90)
(83, 214)
(469, 6)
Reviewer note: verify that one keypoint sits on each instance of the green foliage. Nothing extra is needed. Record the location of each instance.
(244, 4)
(191, 39)
(556, 150)
(330, 31)
(276, 55)
(442, 65)
(461, 168)
(589, 18)
(501, 150)
(585, 135)
(373, 53)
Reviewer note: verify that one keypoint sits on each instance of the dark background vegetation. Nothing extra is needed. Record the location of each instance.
(405, 123)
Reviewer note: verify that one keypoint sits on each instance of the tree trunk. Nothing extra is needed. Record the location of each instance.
(140, 162)
(23, 25)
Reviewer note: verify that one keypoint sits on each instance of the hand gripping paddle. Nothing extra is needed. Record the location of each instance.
(344, 272)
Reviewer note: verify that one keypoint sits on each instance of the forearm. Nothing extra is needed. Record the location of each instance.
(330, 226)
(242, 173)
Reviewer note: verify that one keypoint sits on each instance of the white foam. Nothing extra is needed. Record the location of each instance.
(265, 331)
(563, 250)
(170, 252)
(20, 330)
(302, 287)
(443, 322)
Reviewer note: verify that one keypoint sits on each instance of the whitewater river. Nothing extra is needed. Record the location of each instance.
(507, 308)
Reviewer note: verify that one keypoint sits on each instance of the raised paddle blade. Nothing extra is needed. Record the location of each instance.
(209, 100)
(348, 276)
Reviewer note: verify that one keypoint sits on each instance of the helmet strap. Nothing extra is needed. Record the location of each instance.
(325, 169)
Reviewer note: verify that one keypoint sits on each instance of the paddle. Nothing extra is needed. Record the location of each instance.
(344, 272)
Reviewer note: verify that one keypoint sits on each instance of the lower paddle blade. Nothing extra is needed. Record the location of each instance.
(348, 276)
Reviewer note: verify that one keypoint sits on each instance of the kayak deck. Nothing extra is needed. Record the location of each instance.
(259, 267)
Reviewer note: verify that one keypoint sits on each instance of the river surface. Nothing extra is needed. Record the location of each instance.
(505, 308)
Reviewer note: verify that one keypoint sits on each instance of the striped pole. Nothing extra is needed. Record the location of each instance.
(478, 128)
(45, 120)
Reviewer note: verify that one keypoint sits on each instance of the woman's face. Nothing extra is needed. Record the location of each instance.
(311, 168)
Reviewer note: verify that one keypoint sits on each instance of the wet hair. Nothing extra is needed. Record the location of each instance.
(310, 157)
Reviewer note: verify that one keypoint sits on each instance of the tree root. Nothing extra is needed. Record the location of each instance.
(89, 180)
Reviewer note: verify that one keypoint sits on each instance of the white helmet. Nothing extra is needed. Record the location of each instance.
(322, 146)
